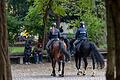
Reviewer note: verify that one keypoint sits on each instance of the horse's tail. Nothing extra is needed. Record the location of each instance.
(99, 58)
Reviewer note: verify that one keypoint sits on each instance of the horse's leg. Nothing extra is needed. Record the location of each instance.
(85, 66)
(62, 73)
(63, 65)
(76, 61)
(79, 65)
(93, 63)
(59, 66)
(53, 66)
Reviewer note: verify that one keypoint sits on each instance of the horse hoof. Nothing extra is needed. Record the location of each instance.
(84, 74)
(61, 75)
(78, 74)
(53, 75)
(93, 75)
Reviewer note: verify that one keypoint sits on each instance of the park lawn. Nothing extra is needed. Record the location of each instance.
(16, 50)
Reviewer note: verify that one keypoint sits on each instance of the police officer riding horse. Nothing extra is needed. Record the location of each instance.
(54, 35)
(80, 36)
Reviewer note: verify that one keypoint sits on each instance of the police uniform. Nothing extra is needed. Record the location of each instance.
(80, 36)
(53, 35)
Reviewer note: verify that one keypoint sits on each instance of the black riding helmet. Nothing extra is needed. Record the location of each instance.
(53, 24)
(82, 23)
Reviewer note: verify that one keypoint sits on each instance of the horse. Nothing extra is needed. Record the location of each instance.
(87, 49)
(57, 56)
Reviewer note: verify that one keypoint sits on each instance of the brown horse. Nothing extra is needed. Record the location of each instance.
(57, 56)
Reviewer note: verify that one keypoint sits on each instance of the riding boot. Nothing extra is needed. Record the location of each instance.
(74, 50)
(48, 55)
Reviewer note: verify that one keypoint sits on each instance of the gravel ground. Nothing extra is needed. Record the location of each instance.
(43, 71)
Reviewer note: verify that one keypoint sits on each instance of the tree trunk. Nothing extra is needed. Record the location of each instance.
(58, 21)
(45, 21)
(113, 7)
(110, 43)
(115, 11)
(5, 69)
(45, 26)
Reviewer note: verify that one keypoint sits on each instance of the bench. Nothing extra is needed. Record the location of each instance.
(19, 57)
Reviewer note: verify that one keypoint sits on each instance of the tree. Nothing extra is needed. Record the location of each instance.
(114, 10)
(14, 26)
(40, 14)
(111, 43)
(94, 24)
(58, 10)
(18, 8)
(16, 11)
(5, 70)
(113, 25)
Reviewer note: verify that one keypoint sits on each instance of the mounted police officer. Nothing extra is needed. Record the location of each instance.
(81, 35)
(54, 34)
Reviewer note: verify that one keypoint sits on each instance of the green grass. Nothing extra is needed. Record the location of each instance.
(103, 46)
(16, 50)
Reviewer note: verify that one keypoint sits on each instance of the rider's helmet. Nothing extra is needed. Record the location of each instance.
(82, 24)
(54, 24)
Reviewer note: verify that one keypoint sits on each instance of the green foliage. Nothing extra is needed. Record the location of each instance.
(14, 26)
(94, 25)
(70, 35)
(34, 18)
(30, 14)
(18, 8)
(57, 8)
(99, 9)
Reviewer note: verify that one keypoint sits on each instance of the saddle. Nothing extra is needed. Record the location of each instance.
(60, 42)
(53, 42)
(79, 44)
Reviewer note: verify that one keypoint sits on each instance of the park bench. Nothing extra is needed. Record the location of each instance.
(103, 52)
(17, 57)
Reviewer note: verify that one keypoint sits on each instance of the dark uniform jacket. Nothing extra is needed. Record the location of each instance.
(81, 33)
(55, 34)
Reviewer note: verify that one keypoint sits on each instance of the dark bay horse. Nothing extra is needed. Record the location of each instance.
(87, 49)
(57, 56)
